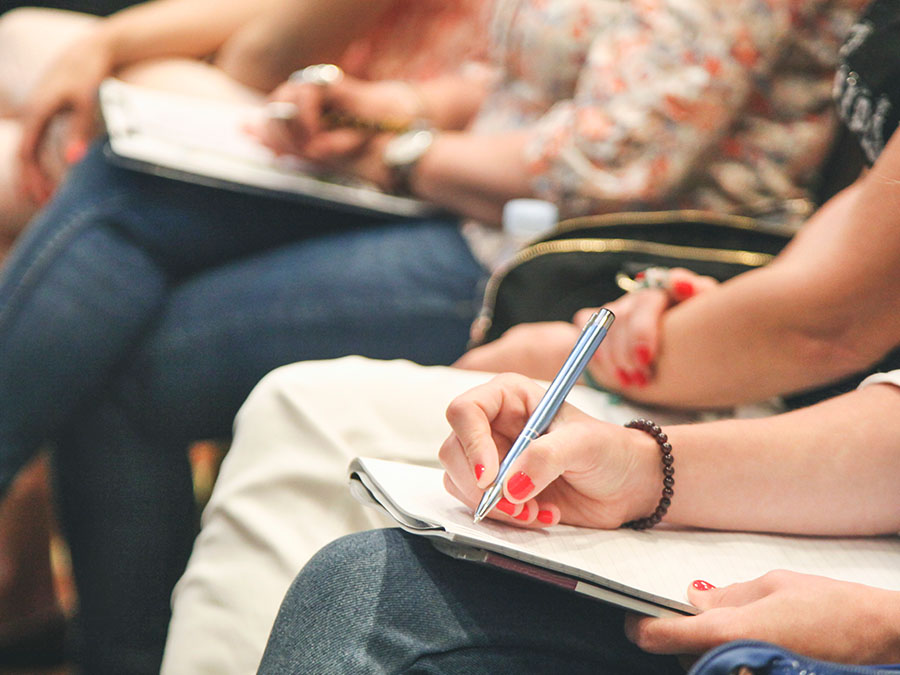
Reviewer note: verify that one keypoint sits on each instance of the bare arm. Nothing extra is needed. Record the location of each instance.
(827, 469)
(191, 28)
(295, 33)
(827, 307)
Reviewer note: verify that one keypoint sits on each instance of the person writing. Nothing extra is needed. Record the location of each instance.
(273, 450)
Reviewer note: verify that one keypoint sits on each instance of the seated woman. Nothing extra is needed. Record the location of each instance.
(826, 308)
(52, 60)
(139, 312)
(387, 602)
(826, 469)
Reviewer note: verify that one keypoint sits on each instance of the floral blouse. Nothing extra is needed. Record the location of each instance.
(420, 39)
(641, 104)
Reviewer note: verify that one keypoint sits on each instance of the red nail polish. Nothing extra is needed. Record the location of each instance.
(639, 378)
(519, 485)
(701, 585)
(683, 289)
(479, 470)
(639, 276)
(523, 515)
(506, 506)
(643, 355)
(545, 517)
(624, 380)
(75, 151)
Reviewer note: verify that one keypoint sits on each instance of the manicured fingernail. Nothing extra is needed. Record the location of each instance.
(75, 151)
(624, 380)
(639, 378)
(479, 470)
(701, 585)
(506, 506)
(545, 517)
(683, 289)
(523, 515)
(643, 355)
(519, 485)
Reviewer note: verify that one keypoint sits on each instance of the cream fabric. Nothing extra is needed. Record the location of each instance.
(282, 491)
(892, 377)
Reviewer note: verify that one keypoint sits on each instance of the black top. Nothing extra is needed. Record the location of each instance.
(867, 85)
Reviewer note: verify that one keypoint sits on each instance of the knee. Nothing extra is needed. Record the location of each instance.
(336, 588)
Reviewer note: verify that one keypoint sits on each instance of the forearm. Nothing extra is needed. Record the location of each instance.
(827, 308)
(473, 174)
(189, 28)
(296, 33)
(828, 469)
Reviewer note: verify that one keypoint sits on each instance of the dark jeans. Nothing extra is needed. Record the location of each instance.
(135, 316)
(387, 602)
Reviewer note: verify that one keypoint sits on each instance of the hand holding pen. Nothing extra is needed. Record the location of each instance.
(580, 471)
(329, 115)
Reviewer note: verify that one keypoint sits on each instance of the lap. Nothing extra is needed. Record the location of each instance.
(386, 601)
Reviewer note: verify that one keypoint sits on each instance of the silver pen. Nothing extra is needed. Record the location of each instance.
(591, 336)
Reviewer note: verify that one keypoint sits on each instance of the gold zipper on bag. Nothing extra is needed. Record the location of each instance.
(486, 315)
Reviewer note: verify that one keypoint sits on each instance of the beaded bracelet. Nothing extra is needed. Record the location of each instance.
(668, 473)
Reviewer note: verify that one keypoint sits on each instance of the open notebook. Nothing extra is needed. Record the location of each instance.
(201, 141)
(648, 571)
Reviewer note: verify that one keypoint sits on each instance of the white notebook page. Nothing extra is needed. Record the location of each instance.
(661, 562)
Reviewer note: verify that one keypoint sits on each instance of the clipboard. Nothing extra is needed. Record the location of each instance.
(201, 141)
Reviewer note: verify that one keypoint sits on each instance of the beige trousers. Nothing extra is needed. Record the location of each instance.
(282, 491)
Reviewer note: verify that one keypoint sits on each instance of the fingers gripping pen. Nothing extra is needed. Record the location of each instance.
(591, 336)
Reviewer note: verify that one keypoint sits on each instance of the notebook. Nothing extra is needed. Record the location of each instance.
(201, 141)
(647, 571)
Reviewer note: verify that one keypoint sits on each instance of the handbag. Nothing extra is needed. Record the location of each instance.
(752, 657)
(590, 261)
(587, 261)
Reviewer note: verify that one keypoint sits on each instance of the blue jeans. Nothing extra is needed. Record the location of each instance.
(387, 602)
(135, 316)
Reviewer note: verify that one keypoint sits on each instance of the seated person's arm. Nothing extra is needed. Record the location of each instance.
(293, 34)
(827, 307)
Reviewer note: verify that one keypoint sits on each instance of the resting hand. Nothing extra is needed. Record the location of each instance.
(800, 612)
(537, 350)
(70, 85)
(626, 357)
(581, 471)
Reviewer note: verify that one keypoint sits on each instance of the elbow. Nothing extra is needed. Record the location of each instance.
(836, 354)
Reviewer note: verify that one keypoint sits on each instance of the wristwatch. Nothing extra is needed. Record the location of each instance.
(402, 153)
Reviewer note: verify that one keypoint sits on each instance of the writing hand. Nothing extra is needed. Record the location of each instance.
(581, 471)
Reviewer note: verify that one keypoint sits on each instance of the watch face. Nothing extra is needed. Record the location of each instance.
(407, 147)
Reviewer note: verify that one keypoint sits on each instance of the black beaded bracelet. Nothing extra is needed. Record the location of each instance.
(668, 474)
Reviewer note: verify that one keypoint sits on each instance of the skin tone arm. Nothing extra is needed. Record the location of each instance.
(468, 173)
(187, 29)
(827, 307)
(828, 469)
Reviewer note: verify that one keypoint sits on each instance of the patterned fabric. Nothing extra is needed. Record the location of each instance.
(668, 103)
(420, 39)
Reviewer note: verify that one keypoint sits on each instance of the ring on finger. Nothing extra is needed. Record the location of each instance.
(321, 74)
(652, 277)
